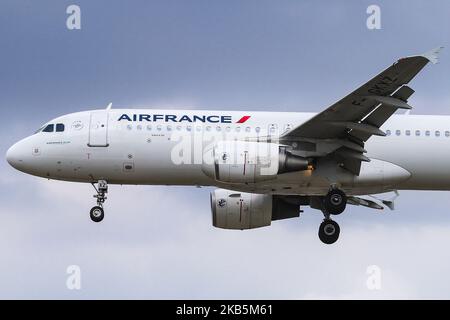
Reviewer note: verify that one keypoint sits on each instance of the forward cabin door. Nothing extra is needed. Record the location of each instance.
(98, 129)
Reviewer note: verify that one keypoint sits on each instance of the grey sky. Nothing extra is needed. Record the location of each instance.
(158, 242)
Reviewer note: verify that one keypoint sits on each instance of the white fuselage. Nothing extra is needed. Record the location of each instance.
(165, 147)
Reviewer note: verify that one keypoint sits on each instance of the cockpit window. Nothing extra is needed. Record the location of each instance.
(39, 130)
(59, 127)
(49, 128)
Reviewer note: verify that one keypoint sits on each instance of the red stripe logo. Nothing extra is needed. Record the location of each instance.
(243, 119)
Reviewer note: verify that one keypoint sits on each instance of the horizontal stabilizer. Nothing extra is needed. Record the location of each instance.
(389, 204)
(364, 202)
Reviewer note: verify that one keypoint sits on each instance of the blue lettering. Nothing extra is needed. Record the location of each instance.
(210, 119)
(124, 117)
(226, 119)
(185, 118)
(173, 118)
(199, 118)
(145, 117)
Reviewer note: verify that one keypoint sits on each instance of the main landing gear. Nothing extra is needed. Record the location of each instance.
(333, 203)
(97, 213)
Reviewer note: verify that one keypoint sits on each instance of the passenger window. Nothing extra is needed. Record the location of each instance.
(388, 132)
(257, 129)
(447, 134)
(408, 132)
(437, 133)
(49, 128)
(287, 127)
(427, 133)
(417, 132)
(397, 132)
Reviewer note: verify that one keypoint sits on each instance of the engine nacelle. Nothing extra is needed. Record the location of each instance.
(241, 210)
(249, 162)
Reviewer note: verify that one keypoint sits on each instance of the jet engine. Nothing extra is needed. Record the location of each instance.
(240, 210)
(249, 162)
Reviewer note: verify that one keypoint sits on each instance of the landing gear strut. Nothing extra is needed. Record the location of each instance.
(97, 213)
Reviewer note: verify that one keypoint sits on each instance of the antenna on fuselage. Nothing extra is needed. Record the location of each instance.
(109, 106)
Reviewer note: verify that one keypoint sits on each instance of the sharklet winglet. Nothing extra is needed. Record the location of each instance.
(433, 55)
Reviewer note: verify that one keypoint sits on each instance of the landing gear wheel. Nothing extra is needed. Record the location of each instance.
(97, 214)
(329, 231)
(335, 202)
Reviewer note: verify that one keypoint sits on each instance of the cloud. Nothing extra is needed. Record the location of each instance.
(158, 242)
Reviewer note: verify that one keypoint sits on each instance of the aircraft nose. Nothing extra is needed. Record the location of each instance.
(11, 155)
(15, 155)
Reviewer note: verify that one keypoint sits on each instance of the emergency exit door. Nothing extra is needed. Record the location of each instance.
(98, 129)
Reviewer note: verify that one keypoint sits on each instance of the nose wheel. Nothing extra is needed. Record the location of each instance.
(97, 213)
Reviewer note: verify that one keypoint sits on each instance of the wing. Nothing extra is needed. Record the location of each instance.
(347, 124)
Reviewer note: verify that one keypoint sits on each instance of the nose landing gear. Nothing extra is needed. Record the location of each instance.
(97, 213)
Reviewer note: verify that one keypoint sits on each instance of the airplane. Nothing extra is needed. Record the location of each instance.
(265, 165)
